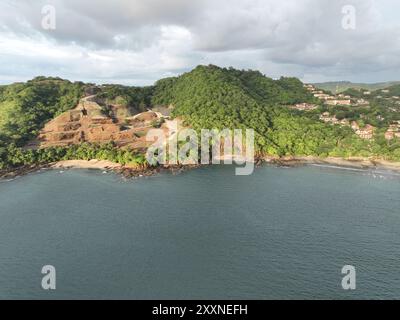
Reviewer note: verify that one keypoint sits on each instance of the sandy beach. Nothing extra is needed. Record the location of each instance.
(84, 164)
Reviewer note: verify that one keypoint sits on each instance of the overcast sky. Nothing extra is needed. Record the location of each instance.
(136, 42)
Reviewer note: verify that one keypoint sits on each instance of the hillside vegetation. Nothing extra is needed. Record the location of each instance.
(138, 98)
(212, 97)
(26, 107)
(207, 97)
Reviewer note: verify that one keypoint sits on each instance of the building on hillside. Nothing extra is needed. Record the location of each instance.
(326, 117)
(355, 126)
(366, 133)
(389, 135)
(393, 132)
(336, 102)
(362, 102)
(323, 96)
(344, 122)
(305, 106)
(309, 87)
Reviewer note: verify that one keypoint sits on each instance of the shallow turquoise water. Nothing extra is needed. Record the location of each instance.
(205, 234)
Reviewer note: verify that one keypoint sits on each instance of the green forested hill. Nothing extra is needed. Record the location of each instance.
(212, 97)
(228, 86)
(26, 107)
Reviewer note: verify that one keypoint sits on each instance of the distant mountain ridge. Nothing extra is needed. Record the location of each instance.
(341, 86)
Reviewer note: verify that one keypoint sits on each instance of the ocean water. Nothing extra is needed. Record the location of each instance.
(282, 233)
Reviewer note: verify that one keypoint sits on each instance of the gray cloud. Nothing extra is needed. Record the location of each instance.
(144, 40)
(98, 22)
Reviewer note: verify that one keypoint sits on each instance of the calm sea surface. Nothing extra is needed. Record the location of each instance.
(204, 234)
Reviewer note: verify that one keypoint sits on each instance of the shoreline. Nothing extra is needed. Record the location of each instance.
(125, 171)
(353, 163)
(146, 171)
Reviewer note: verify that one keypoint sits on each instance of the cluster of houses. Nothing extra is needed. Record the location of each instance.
(393, 131)
(337, 100)
(366, 132)
(332, 100)
(341, 99)
(385, 96)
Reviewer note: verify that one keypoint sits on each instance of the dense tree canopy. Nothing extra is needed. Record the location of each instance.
(212, 97)
(138, 98)
(12, 156)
